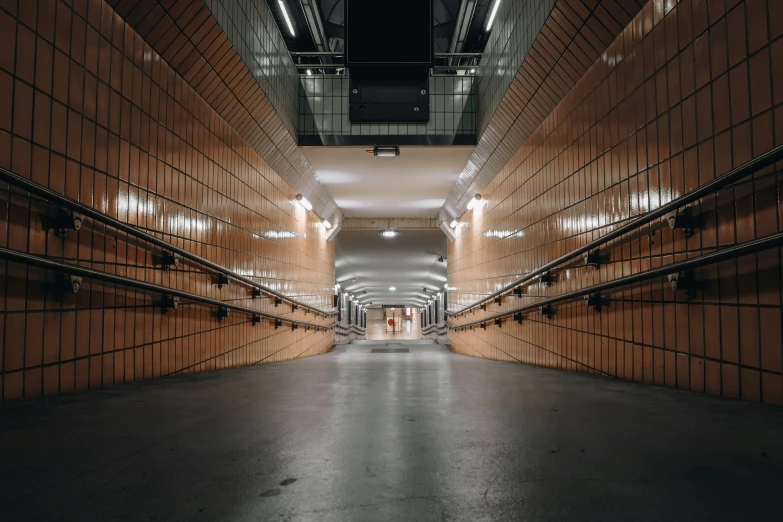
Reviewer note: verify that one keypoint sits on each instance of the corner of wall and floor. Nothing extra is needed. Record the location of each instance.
(687, 91)
(95, 113)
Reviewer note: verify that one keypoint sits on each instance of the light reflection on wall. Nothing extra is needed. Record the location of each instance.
(503, 234)
(278, 234)
(182, 223)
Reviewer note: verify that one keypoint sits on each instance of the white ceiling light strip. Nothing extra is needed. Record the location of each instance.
(291, 27)
(491, 16)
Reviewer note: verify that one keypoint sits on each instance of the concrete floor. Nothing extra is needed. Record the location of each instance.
(425, 435)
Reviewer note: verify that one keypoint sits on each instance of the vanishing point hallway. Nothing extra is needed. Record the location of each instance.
(454, 260)
(390, 431)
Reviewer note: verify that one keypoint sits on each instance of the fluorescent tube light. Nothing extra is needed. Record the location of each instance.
(291, 27)
(491, 16)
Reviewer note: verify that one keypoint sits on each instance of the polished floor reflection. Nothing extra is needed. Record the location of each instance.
(365, 435)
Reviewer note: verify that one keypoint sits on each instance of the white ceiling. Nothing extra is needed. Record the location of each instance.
(415, 184)
(409, 262)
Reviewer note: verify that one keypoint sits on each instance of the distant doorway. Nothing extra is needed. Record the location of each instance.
(393, 323)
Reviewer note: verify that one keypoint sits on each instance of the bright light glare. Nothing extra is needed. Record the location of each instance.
(309, 72)
(389, 233)
(303, 201)
(491, 16)
(454, 224)
(474, 201)
(291, 27)
(392, 288)
(446, 285)
(327, 224)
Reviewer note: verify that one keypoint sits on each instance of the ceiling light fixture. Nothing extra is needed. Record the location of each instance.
(446, 285)
(388, 233)
(288, 20)
(475, 201)
(392, 288)
(492, 15)
(303, 201)
(386, 152)
(327, 224)
(309, 72)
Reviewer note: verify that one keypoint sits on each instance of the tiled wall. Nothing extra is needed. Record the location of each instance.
(323, 105)
(516, 26)
(88, 109)
(688, 90)
(536, 53)
(252, 30)
(191, 36)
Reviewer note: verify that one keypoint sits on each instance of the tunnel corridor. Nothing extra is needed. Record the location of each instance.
(570, 210)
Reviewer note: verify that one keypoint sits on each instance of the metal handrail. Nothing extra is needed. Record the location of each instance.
(747, 168)
(90, 273)
(431, 327)
(64, 201)
(717, 256)
(351, 327)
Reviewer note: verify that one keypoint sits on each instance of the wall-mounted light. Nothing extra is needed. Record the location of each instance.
(454, 224)
(303, 201)
(472, 71)
(309, 72)
(386, 152)
(475, 201)
(492, 15)
(388, 233)
(288, 19)
(327, 224)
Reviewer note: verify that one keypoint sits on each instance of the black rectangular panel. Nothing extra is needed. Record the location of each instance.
(383, 100)
(396, 32)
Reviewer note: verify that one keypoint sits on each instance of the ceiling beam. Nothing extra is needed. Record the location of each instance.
(380, 223)
(439, 31)
(316, 24)
(464, 18)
